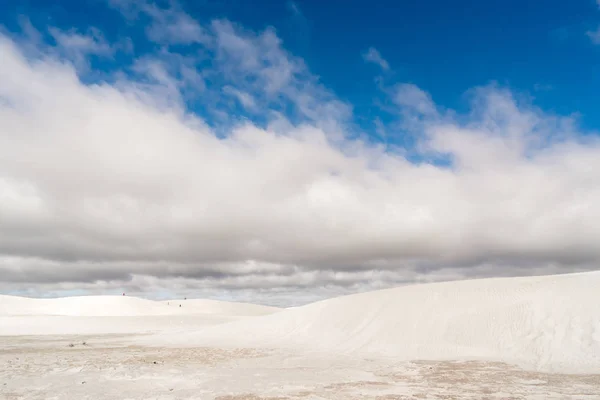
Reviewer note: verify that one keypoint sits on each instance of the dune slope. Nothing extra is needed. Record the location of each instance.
(547, 323)
(218, 307)
(121, 306)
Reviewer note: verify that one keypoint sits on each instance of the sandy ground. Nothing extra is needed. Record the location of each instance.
(114, 367)
(513, 338)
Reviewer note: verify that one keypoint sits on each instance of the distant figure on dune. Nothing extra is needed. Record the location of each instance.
(123, 293)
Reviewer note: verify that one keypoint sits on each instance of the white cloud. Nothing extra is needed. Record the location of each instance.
(174, 27)
(294, 8)
(93, 43)
(413, 99)
(256, 64)
(31, 33)
(111, 186)
(168, 26)
(594, 36)
(244, 98)
(77, 47)
(372, 55)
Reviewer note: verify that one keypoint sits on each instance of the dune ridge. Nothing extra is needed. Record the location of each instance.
(546, 323)
(549, 323)
(123, 306)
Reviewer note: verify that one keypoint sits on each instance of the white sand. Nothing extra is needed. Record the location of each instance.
(216, 307)
(510, 336)
(124, 306)
(88, 315)
(547, 323)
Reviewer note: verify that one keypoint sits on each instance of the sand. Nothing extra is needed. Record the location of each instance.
(510, 338)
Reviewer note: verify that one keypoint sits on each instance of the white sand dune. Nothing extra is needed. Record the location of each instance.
(94, 315)
(84, 306)
(444, 340)
(218, 307)
(123, 306)
(549, 323)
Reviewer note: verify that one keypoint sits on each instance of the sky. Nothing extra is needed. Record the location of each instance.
(282, 152)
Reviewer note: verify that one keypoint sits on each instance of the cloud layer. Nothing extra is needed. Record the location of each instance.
(124, 184)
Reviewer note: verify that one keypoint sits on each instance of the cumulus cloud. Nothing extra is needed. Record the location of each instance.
(373, 56)
(106, 186)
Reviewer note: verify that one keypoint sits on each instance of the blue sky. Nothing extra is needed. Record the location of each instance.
(537, 48)
(281, 152)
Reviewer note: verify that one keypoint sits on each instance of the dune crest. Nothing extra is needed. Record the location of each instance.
(123, 306)
(547, 323)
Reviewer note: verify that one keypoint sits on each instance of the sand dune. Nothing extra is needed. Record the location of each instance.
(99, 315)
(207, 306)
(123, 306)
(84, 306)
(445, 340)
(547, 323)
